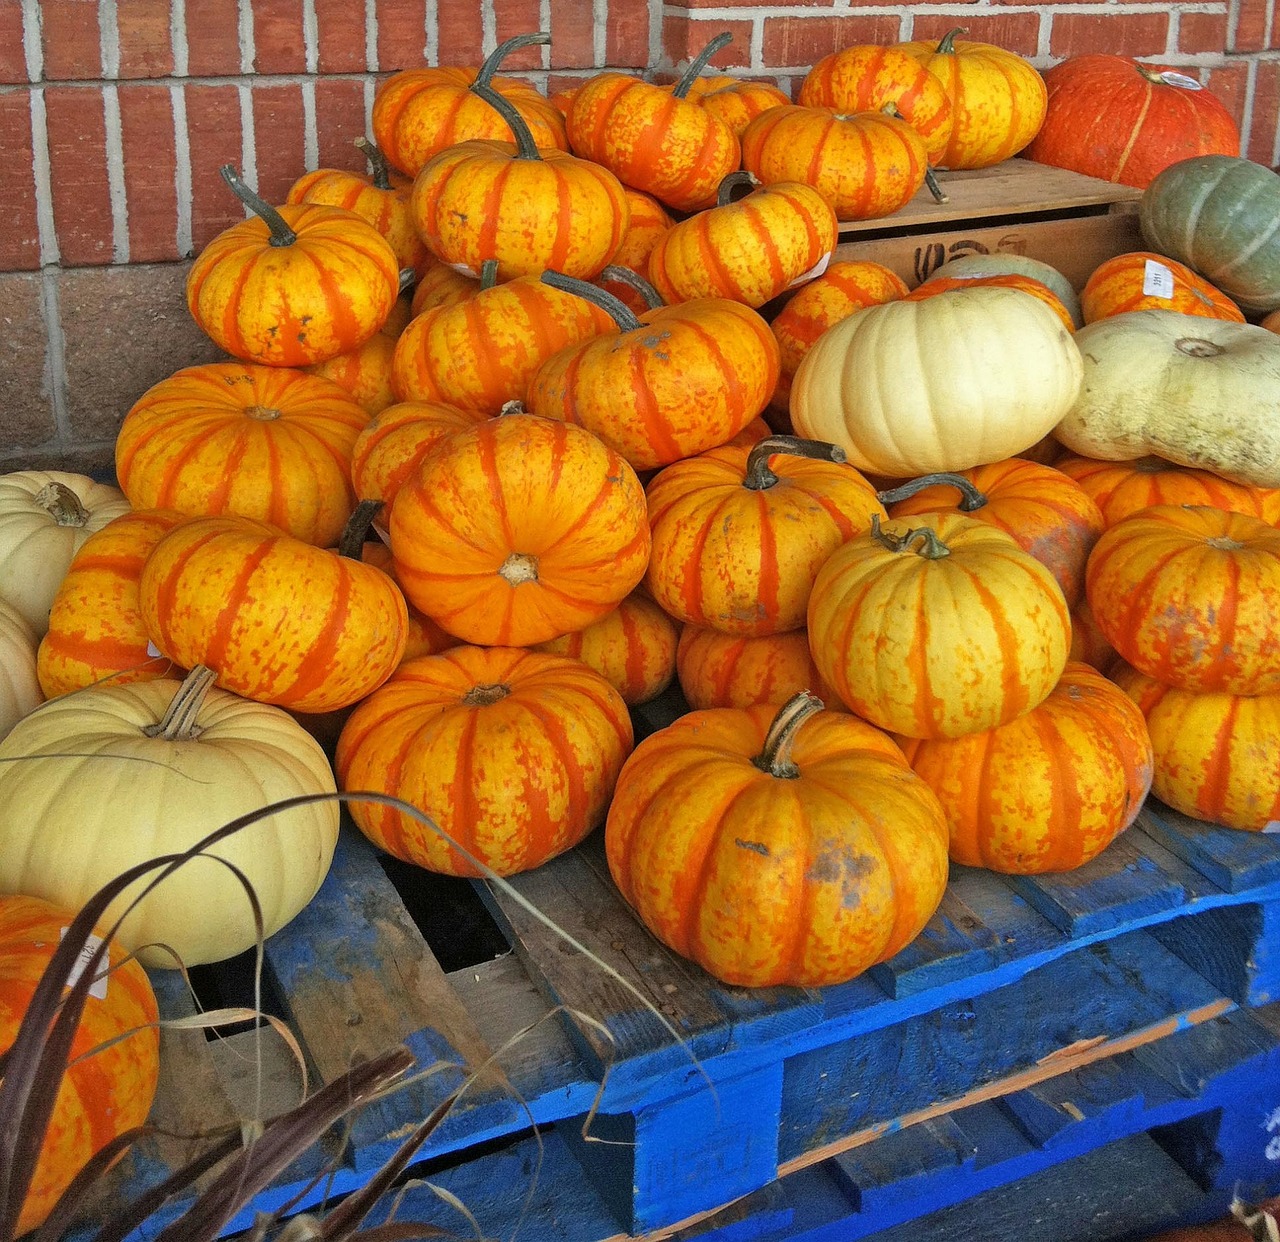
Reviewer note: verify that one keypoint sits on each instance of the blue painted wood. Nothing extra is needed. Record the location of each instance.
(1233, 860)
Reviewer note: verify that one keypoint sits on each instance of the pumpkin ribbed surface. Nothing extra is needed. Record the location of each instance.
(519, 530)
(393, 444)
(1191, 596)
(20, 690)
(514, 755)
(736, 101)
(1048, 791)
(733, 670)
(441, 285)
(365, 372)
(647, 221)
(281, 622)
(109, 1086)
(806, 875)
(936, 285)
(1142, 280)
(931, 644)
(1215, 754)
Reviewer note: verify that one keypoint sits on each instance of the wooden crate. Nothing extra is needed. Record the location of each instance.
(1066, 219)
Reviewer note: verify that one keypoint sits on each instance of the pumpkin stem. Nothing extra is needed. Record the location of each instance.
(775, 758)
(179, 722)
(482, 696)
(488, 274)
(519, 567)
(484, 76)
(699, 63)
(615, 308)
(526, 148)
(930, 177)
(62, 504)
(377, 162)
(971, 497)
(354, 534)
(732, 183)
(760, 478)
(633, 280)
(947, 46)
(931, 547)
(281, 233)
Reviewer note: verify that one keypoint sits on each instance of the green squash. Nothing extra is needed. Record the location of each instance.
(1219, 214)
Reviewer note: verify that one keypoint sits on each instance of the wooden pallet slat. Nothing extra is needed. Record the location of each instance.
(1235, 861)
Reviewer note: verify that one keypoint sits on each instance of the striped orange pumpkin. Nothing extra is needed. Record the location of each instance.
(268, 443)
(1046, 513)
(735, 670)
(938, 627)
(736, 101)
(633, 648)
(422, 635)
(279, 621)
(647, 221)
(1215, 753)
(1008, 280)
(748, 251)
(514, 754)
(1048, 791)
(440, 285)
(1088, 643)
(1190, 595)
(739, 534)
(96, 632)
(865, 164)
(518, 530)
(395, 441)
(113, 1065)
(366, 371)
(292, 286)
(867, 77)
(1120, 284)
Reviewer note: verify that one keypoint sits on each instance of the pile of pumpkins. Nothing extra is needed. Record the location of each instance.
(545, 413)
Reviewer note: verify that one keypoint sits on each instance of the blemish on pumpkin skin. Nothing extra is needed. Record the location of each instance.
(756, 847)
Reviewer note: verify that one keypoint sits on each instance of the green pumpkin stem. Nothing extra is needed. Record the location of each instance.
(732, 183)
(488, 274)
(699, 63)
(930, 546)
(775, 758)
(947, 46)
(179, 722)
(281, 233)
(633, 280)
(971, 497)
(930, 177)
(62, 504)
(378, 164)
(760, 478)
(484, 75)
(615, 308)
(356, 532)
(526, 148)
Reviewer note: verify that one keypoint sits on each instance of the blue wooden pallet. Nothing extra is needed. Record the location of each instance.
(676, 1094)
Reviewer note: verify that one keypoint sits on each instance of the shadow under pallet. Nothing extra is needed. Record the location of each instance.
(896, 1085)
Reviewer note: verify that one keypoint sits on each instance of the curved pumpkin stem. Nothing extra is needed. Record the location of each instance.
(378, 163)
(62, 504)
(699, 63)
(615, 308)
(281, 233)
(946, 46)
(930, 547)
(971, 497)
(484, 75)
(732, 183)
(775, 758)
(633, 280)
(356, 531)
(760, 478)
(526, 148)
(179, 722)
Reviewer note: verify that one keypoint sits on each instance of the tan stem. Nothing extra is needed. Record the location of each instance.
(518, 568)
(262, 413)
(62, 504)
(930, 546)
(775, 758)
(179, 722)
(482, 696)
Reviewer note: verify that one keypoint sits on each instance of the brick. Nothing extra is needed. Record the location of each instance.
(1123, 34)
(460, 35)
(13, 56)
(573, 44)
(278, 42)
(515, 17)
(71, 40)
(742, 4)
(626, 36)
(402, 33)
(802, 41)
(1274, 41)
(682, 40)
(124, 328)
(145, 39)
(1230, 84)
(1251, 27)
(28, 407)
(1202, 32)
(1266, 111)
(78, 160)
(279, 137)
(213, 37)
(146, 124)
(341, 37)
(20, 237)
(213, 139)
(1015, 32)
(340, 120)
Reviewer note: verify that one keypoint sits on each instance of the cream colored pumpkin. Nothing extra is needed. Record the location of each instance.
(1199, 392)
(966, 378)
(111, 776)
(45, 515)
(19, 684)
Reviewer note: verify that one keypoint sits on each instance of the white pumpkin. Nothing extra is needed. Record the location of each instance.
(1199, 392)
(19, 683)
(45, 515)
(101, 779)
(962, 379)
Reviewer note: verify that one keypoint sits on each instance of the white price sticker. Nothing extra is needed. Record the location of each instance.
(152, 650)
(99, 987)
(1273, 826)
(1157, 281)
